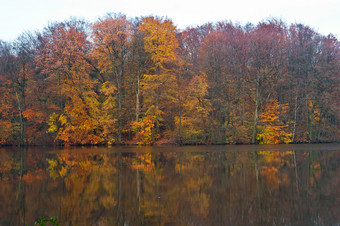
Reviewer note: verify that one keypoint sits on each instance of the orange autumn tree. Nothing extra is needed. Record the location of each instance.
(65, 59)
(273, 129)
(159, 84)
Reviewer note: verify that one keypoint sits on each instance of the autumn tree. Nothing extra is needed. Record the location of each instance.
(312, 82)
(301, 50)
(17, 70)
(213, 61)
(267, 64)
(7, 101)
(64, 58)
(274, 128)
(326, 84)
(159, 83)
(196, 110)
(112, 41)
(139, 63)
(227, 66)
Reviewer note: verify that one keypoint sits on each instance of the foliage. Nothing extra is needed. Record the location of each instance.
(145, 128)
(42, 221)
(274, 129)
(196, 109)
(121, 80)
(160, 39)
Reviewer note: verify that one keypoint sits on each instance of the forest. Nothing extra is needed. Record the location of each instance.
(142, 81)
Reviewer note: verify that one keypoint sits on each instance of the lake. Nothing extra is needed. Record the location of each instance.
(189, 185)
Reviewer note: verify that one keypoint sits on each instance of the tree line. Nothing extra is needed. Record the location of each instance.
(143, 81)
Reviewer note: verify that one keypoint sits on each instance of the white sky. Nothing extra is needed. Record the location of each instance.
(17, 16)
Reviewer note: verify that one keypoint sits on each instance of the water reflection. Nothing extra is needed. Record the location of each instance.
(177, 186)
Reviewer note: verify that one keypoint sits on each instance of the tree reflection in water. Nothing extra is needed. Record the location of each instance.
(177, 186)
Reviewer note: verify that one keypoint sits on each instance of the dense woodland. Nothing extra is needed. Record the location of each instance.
(143, 81)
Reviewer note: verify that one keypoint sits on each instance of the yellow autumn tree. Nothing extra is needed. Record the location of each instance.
(145, 128)
(196, 109)
(108, 120)
(273, 130)
(160, 40)
(77, 124)
(159, 82)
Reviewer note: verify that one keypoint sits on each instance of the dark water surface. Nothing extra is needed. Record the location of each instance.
(192, 185)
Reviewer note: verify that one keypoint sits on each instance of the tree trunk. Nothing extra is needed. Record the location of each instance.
(119, 101)
(311, 124)
(137, 95)
(243, 103)
(241, 98)
(179, 109)
(256, 112)
(295, 113)
(21, 121)
(119, 117)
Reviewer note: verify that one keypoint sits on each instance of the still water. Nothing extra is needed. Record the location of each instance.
(191, 185)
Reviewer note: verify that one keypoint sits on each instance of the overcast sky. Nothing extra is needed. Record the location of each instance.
(17, 16)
